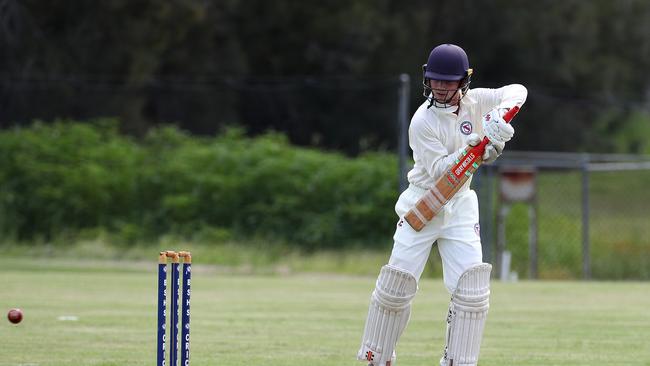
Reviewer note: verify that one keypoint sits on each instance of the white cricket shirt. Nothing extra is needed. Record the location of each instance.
(436, 135)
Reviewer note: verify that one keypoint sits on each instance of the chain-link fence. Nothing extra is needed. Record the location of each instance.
(588, 219)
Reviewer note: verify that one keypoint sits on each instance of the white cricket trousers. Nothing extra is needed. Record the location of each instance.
(456, 228)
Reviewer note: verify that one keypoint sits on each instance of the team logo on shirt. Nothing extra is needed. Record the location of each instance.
(466, 127)
(477, 229)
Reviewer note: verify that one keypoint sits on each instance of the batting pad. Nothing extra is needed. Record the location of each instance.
(390, 308)
(466, 318)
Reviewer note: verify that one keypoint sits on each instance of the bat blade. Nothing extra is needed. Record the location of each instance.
(446, 186)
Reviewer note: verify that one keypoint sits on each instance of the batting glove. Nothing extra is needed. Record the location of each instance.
(473, 140)
(492, 152)
(496, 129)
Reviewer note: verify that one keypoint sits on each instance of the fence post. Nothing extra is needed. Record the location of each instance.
(586, 258)
(403, 121)
(483, 185)
(532, 240)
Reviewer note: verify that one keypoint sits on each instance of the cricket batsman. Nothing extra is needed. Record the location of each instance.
(452, 117)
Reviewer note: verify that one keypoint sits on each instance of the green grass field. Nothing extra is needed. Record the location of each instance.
(302, 319)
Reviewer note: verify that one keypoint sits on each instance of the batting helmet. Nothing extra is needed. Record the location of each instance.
(446, 62)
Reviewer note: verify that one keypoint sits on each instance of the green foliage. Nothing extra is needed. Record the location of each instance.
(634, 135)
(579, 60)
(65, 176)
(71, 176)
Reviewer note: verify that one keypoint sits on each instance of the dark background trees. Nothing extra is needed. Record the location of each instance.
(326, 72)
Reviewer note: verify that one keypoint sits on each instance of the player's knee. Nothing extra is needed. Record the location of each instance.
(452, 278)
(395, 287)
(414, 266)
(451, 283)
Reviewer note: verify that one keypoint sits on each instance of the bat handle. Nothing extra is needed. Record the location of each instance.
(510, 114)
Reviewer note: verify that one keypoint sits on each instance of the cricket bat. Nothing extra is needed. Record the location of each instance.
(446, 186)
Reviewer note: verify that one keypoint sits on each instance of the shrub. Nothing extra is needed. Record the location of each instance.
(69, 176)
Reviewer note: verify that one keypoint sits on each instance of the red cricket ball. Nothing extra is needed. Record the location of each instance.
(15, 315)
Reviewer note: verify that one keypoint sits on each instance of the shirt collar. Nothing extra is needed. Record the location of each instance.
(468, 98)
(441, 110)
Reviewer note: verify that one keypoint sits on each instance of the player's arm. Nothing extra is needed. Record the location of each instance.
(493, 104)
(426, 145)
(505, 97)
